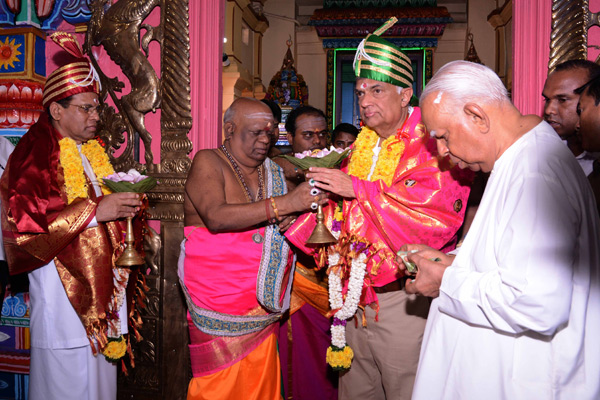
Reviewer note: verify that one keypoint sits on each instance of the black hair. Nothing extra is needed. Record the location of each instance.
(593, 71)
(274, 109)
(344, 127)
(66, 101)
(591, 67)
(593, 89)
(290, 123)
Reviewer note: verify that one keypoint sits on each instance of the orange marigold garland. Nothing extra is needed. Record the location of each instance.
(361, 161)
(70, 159)
(99, 160)
(339, 359)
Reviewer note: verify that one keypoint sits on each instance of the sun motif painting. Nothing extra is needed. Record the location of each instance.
(9, 53)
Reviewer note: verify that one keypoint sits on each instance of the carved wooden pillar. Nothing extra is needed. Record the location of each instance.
(162, 369)
(568, 40)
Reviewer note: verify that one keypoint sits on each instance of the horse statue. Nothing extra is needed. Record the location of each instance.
(117, 29)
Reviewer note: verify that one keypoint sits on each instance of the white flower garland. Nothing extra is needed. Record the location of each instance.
(346, 308)
(335, 284)
(338, 336)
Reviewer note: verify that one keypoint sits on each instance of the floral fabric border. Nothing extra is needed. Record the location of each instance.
(275, 248)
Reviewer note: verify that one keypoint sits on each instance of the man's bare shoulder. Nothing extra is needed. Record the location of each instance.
(207, 158)
(274, 152)
(208, 167)
(205, 184)
(284, 164)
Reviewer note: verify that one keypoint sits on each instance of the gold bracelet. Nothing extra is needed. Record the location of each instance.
(269, 219)
(275, 208)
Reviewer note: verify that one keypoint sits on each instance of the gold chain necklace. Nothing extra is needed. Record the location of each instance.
(257, 237)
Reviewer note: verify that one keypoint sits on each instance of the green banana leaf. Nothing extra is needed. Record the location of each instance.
(140, 187)
(331, 160)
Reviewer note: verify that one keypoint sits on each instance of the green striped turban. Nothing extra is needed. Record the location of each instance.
(380, 60)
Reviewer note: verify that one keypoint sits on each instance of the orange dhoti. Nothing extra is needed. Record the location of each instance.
(255, 377)
(233, 347)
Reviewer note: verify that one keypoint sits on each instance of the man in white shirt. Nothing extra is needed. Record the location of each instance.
(517, 309)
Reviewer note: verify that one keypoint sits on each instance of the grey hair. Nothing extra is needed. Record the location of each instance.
(467, 82)
(229, 115)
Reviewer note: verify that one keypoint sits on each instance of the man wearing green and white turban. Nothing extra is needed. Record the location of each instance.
(396, 190)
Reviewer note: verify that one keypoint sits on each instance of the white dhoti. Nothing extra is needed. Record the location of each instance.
(65, 374)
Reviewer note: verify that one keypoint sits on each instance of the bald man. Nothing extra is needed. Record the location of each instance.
(236, 266)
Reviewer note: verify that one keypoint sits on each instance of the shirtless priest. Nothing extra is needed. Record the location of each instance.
(236, 266)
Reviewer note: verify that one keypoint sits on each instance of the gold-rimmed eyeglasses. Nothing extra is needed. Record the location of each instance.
(86, 108)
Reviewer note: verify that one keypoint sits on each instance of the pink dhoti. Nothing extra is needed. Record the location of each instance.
(224, 277)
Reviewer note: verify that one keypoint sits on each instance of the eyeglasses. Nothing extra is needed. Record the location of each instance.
(88, 109)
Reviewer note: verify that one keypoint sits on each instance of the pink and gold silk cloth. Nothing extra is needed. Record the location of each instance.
(39, 226)
(226, 320)
(425, 203)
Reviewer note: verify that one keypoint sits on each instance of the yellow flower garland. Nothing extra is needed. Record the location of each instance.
(75, 182)
(361, 161)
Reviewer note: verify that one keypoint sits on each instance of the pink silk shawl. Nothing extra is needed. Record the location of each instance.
(425, 203)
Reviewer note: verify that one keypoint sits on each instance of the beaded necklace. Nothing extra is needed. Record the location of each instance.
(257, 237)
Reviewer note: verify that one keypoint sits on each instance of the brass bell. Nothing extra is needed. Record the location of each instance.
(321, 234)
(130, 257)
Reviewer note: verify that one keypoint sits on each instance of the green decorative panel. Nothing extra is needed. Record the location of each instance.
(330, 83)
(27, 16)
